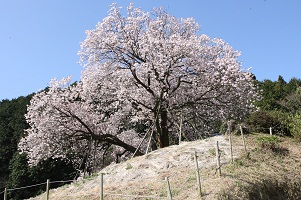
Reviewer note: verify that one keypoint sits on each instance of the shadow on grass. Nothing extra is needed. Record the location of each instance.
(267, 189)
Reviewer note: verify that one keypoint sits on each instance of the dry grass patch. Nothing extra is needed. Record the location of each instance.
(267, 171)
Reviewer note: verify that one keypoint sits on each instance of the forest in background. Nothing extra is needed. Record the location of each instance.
(280, 108)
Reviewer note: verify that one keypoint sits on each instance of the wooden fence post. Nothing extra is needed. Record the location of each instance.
(47, 189)
(243, 139)
(168, 189)
(231, 150)
(218, 163)
(101, 186)
(180, 128)
(5, 194)
(198, 175)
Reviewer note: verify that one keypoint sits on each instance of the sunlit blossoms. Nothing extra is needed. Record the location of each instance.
(146, 75)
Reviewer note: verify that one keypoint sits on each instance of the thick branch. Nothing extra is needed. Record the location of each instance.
(116, 141)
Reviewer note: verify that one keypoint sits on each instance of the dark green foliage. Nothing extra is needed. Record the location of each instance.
(273, 92)
(22, 175)
(268, 142)
(261, 121)
(55, 169)
(292, 85)
(12, 125)
(283, 121)
(19, 177)
(279, 101)
(292, 102)
(14, 170)
(295, 126)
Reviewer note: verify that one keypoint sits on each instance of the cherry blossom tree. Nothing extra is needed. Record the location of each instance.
(145, 69)
(166, 68)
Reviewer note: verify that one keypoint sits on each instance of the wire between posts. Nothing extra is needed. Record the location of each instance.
(67, 181)
(29, 186)
(277, 125)
(185, 181)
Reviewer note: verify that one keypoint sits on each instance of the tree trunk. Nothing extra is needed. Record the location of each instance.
(163, 135)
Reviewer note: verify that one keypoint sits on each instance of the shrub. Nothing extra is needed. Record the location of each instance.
(283, 120)
(268, 142)
(261, 121)
(295, 126)
(271, 143)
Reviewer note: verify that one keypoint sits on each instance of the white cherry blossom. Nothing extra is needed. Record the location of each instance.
(145, 69)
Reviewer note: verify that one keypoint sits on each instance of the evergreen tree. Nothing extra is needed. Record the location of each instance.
(12, 125)
(14, 168)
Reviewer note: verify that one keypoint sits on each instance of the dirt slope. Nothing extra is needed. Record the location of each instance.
(144, 177)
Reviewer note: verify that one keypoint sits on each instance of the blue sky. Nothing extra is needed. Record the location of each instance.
(40, 39)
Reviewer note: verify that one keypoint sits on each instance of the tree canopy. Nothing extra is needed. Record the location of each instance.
(145, 69)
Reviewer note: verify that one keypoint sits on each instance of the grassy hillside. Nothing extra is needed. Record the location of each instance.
(270, 169)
